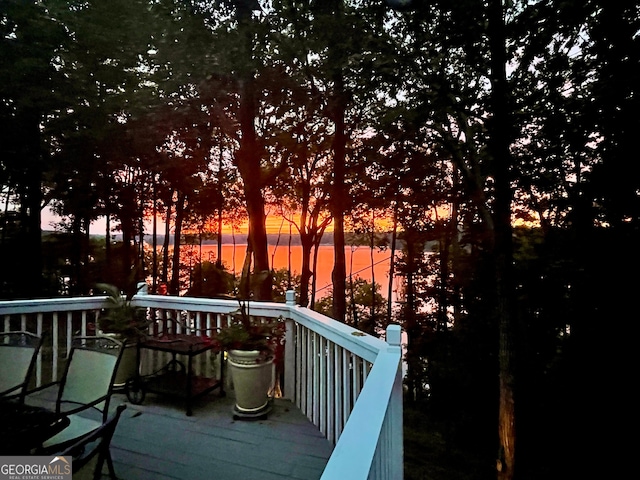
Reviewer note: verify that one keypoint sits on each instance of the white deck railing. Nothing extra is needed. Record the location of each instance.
(347, 383)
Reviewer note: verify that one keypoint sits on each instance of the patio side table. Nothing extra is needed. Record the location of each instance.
(174, 378)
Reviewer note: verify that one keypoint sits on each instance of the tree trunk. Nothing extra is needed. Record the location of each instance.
(174, 287)
(245, 274)
(502, 241)
(107, 249)
(306, 241)
(248, 161)
(371, 327)
(339, 273)
(30, 278)
(261, 281)
(86, 245)
(126, 250)
(314, 282)
(76, 256)
(392, 262)
(154, 241)
(167, 239)
(410, 322)
(219, 238)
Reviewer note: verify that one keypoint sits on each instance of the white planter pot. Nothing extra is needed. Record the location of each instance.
(252, 378)
(128, 366)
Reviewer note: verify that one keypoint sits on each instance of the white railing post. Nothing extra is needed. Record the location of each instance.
(290, 352)
(395, 455)
(142, 288)
(290, 296)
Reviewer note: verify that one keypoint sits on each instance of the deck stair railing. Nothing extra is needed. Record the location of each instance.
(347, 383)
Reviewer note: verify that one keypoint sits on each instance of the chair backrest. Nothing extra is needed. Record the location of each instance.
(89, 373)
(18, 353)
(89, 454)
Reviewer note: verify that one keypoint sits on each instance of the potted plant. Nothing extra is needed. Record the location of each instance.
(126, 323)
(252, 346)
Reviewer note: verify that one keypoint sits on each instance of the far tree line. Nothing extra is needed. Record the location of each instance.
(490, 146)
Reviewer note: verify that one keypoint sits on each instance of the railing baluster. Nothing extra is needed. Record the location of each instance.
(346, 387)
(69, 329)
(83, 325)
(322, 390)
(55, 346)
(308, 359)
(300, 363)
(288, 362)
(339, 411)
(315, 390)
(39, 332)
(331, 392)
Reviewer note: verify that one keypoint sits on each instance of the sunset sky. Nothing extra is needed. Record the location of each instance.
(274, 225)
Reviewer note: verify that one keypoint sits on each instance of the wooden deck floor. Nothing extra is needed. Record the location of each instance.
(158, 441)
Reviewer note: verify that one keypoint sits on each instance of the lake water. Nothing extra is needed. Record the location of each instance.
(358, 262)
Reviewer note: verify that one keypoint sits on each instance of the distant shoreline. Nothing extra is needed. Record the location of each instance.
(227, 239)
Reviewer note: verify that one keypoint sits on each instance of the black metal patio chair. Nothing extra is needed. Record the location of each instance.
(91, 452)
(85, 389)
(18, 353)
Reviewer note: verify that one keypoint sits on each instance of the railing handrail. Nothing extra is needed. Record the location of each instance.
(52, 304)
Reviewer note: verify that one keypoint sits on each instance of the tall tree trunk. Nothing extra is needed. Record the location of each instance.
(219, 238)
(354, 311)
(443, 297)
(167, 239)
(107, 248)
(261, 280)
(86, 245)
(76, 259)
(306, 241)
(219, 196)
(174, 287)
(314, 278)
(154, 241)
(392, 263)
(30, 283)
(126, 250)
(339, 273)
(140, 268)
(411, 327)
(245, 277)
(248, 161)
(371, 328)
(502, 241)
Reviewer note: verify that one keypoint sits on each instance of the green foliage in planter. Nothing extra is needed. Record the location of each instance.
(121, 317)
(250, 333)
